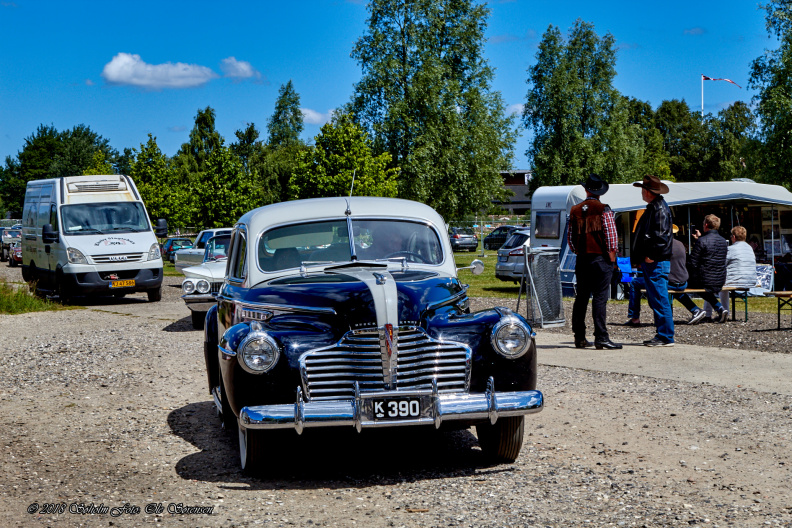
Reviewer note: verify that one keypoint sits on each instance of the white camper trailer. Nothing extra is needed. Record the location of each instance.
(764, 210)
(90, 235)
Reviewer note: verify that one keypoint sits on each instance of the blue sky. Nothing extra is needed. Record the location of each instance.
(127, 69)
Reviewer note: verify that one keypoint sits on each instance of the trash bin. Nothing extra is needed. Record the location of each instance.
(542, 283)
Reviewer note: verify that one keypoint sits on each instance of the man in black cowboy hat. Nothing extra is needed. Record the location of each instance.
(651, 253)
(592, 237)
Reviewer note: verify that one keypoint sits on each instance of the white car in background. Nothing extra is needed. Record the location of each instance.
(202, 282)
(194, 256)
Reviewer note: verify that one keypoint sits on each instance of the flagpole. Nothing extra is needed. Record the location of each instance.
(702, 96)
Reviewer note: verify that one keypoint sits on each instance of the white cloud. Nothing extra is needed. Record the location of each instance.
(238, 69)
(315, 118)
(89, 82)
(129, 69)
(515, 109)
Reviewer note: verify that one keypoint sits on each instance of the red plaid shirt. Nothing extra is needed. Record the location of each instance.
(608, 225)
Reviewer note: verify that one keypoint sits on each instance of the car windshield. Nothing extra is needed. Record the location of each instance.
(464, 231)
(12, 234)
(375, 239)
(106, 217)
(217, 248)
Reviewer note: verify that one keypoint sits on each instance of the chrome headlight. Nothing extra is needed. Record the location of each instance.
(258, 352)
(202, 286)
(75, 256)
(188, 286)
(511, 338)
(154, 252)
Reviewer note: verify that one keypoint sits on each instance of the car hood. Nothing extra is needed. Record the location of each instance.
(214, 271)
(355, 298)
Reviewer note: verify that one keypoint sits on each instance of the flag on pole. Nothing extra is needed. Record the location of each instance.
(705, 78)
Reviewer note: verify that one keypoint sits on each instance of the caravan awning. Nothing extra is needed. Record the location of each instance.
(625, 197)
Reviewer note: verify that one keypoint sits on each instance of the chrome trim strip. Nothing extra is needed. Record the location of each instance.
(358, 411)
(451, 300)
(226, 351)
(279, 309)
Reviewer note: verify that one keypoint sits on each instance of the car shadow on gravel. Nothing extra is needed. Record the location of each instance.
(326, 458)
(182, 325)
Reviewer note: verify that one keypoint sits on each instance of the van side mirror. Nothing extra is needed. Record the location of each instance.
(48, 235)
(161, 229)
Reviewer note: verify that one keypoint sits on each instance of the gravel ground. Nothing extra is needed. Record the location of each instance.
(107, 406)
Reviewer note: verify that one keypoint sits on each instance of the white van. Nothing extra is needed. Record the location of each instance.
(90, 235)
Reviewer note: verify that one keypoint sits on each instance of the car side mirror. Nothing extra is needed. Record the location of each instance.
(161, 229)
(48, 235)
(476, 267)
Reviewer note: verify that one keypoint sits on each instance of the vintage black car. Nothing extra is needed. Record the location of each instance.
(348, 312)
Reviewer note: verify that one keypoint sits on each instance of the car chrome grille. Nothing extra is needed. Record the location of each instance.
(120, 257)
(216, 287)
(330, 373)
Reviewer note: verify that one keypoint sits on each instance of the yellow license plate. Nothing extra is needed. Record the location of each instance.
(122, 284)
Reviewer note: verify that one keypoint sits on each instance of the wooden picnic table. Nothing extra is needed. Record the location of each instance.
(784, 302)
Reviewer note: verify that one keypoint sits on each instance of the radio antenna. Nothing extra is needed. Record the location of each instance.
(351, 187)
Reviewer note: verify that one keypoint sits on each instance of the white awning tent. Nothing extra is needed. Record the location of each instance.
(625, 197)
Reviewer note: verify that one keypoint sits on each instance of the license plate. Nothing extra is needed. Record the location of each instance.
(122, 283)
(396, 408)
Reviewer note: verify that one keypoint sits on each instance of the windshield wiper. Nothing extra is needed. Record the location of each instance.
(87, 230)
(132, 229)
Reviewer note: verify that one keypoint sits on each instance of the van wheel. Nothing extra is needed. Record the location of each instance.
(155, 295)
(26, 273)
(4, 256)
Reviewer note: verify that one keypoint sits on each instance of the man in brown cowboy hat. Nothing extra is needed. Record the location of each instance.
(592, 237)
(651, 253)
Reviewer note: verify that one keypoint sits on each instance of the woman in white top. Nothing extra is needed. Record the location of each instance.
(740, 266)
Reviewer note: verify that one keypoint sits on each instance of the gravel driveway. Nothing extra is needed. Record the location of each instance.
(105, 411)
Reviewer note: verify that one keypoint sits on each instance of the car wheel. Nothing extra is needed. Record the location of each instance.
(251, 449)
(502, 442)
(13, 263)
(198, 319)
(3, 256)
(155, 295)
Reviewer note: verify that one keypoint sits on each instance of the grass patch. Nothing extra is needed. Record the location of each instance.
(169, 270)
(17, 300)
(484, 285)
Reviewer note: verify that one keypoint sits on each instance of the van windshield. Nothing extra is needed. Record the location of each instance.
(107, 217)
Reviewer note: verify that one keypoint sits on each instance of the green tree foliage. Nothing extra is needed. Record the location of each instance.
(771, 76)
(684, 139)
(164, 196)
(425, 98)
(78, 147)
(286, 123)
(99, 165)
(204, 140)
(226, 193)
(342, 149)
(730, 143)
(577, 117)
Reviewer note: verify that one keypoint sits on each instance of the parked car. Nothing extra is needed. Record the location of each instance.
(348, 312)
(463, 238)
(15, 255)
(203, 282)
(511, 256)
(173, 244)
(8, 236)
(194, 256)
(496, 237)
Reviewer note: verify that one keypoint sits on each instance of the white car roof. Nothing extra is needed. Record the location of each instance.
(315, 209)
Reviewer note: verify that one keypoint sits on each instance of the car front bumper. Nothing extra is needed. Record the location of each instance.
(359, 412)
(200, 302)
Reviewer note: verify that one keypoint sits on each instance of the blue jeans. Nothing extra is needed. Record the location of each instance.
(638, 283)
(656, 281)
